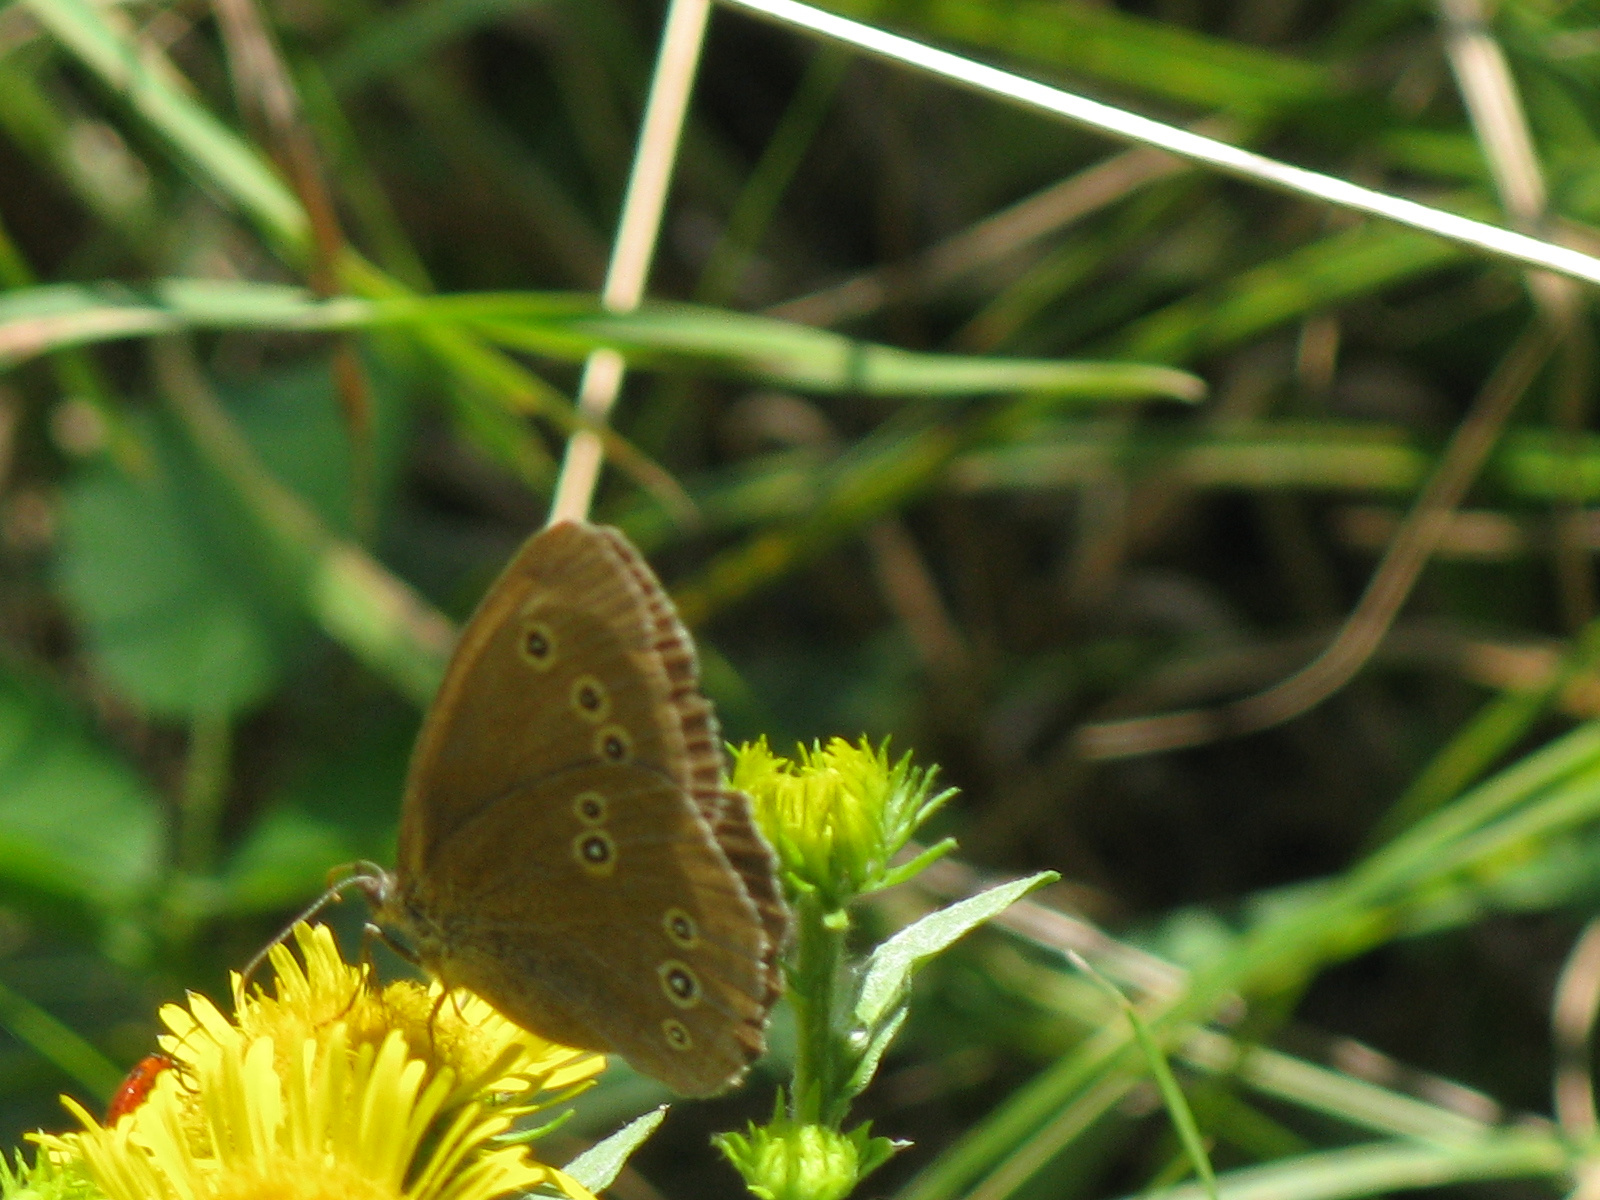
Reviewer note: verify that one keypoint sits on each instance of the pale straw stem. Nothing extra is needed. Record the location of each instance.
(1193, 146)
(634, 247)
(1572, 1020)
(1491, 98)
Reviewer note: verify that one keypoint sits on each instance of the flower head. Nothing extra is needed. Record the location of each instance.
(454, 1030)
(838, 814)
(332, 1090)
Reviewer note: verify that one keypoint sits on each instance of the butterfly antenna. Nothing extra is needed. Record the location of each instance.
(367, 876)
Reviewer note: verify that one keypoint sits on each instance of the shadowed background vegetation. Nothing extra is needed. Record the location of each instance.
(229, 542)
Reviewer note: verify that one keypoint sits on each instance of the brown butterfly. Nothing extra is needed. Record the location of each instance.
(568, 849)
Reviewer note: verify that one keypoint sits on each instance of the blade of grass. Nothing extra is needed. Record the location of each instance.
(45, 127)
(1350, 263)
(79, 1059)
(1317, 456)
(1156, 1061)
(1007, 1149)
(567, 326)
(1162, 58)
(1385, 1167)
(379, 49)
(1380, 602)
(204, 143)
(1491, 732)
(209, 148)
(770, 178)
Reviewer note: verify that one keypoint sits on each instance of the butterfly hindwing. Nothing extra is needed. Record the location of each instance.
(618, 926)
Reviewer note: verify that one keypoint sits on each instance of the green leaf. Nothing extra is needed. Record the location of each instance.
(877, 1045)
(1381, 1168)
(892, 963)
(184, 609)
(598, 1166)
(171, 613)
(1159, 56)
(1351, 263)
(76, 821)
(406, 33)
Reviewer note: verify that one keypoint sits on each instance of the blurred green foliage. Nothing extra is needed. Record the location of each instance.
(248, 472)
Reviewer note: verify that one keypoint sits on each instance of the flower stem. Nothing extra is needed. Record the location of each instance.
(813, 993)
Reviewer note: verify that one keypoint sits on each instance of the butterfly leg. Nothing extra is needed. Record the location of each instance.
(433, 1016)
(372, 932)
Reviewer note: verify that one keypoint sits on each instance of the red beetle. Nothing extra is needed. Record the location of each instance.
(131, 1094)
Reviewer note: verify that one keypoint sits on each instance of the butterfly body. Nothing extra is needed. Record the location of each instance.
(567, 848)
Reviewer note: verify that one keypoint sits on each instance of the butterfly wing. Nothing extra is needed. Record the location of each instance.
(620, 926)
(577, 603)
(570, 723)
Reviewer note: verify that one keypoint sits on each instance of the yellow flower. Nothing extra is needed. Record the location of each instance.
(333, 1090)
(486, 1052)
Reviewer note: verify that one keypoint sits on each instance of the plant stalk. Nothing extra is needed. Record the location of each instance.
(814, 992)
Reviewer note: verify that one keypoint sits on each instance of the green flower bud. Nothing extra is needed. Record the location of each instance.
(837, 815)
(784, 1161)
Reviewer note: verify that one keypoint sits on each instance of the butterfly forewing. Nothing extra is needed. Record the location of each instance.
(516, 702)
(675, 653)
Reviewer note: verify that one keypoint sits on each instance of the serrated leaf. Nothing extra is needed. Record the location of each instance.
(892, 963)
(877, 1045)
(598, 1166)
